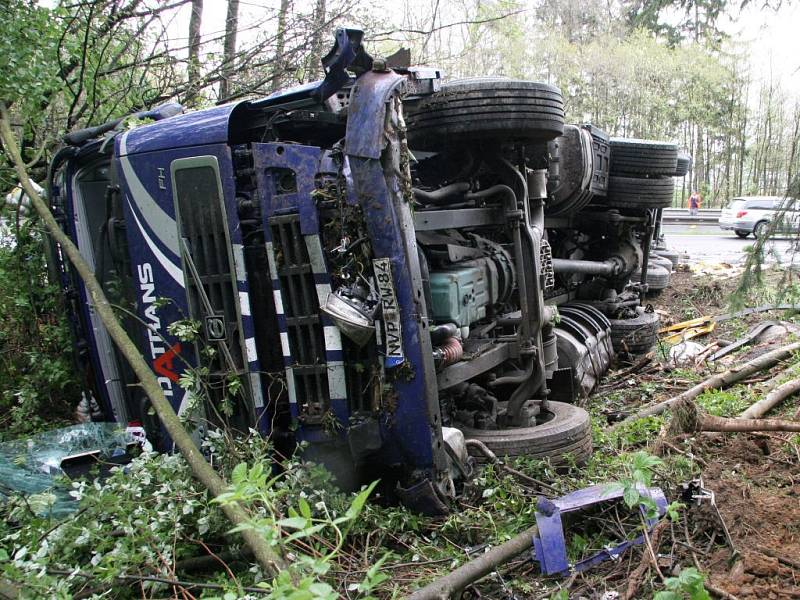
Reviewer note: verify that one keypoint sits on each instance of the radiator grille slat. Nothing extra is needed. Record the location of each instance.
(302, 313)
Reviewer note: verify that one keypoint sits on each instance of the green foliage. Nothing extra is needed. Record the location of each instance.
(725, 403)
(28, 47)
(148, 517)
(38, 385)
(640, 476)
(688, 585)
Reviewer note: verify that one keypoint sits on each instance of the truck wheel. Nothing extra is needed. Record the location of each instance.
(486, 108)
(631, 156)
(660, 261)
(670, 255)
(567, 430)
(639, 192)
(683, 164)
(760, 230)
(657, 278)
(741, 234)
(635, 335)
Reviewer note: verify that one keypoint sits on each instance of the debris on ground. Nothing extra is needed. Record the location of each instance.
(31, 466)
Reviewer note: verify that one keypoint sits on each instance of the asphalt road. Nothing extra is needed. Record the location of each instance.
(709, 244)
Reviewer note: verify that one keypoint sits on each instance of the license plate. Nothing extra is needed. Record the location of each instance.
(393, 337)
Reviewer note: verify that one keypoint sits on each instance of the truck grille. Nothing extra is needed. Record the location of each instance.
(302, 313)
(203, 229)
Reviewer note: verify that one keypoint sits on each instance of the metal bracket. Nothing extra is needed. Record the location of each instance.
(550, 549)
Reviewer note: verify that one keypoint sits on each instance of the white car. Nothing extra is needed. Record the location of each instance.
(754, 214)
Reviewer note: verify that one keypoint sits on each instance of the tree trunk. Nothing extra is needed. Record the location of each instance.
(266, 556)
(229, 49)
(772, 399)
(720, 380)
(193, 64)
(451, 584)
(314, 65)
(280, 47)
(688, 418)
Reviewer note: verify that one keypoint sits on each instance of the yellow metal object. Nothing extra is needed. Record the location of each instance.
(687, 330)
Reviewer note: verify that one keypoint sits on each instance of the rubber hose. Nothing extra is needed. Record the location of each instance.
(443, 194)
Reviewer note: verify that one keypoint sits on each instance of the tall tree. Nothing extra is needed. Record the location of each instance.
(193, 65)
(229, 48)
(279, 64)
(314, 68)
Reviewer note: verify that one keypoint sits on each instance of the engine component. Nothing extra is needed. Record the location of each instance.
(601, 148)
(448, 353)
(474, 406)
(546, 260)
(587, 267)
(352, 312)
(463, 292)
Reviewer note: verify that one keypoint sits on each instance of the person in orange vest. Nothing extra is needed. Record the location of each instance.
(694, 203)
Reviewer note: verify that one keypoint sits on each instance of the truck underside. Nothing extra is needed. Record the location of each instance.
(381, 266)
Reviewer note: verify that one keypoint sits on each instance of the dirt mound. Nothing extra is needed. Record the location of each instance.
(754, 480)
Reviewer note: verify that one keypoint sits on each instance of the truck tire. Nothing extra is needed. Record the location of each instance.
(670, 255)
(657, 278)
(569, 431)
(632, 157)
(683, 165)
(662, 262)
(636, 335)
(639, 192)
(486, 108)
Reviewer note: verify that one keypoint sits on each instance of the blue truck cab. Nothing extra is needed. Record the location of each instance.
(399, 272)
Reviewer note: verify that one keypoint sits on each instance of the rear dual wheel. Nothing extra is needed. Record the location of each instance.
(636, 335)
(640, 192)
(645, 157)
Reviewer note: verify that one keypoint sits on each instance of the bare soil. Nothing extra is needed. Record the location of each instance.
(754, 477)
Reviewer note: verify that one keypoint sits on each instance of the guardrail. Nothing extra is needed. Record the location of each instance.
(682, 216)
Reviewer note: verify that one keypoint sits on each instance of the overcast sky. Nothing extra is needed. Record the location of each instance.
(775, 35)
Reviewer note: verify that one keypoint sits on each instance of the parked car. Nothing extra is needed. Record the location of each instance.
(754, 214)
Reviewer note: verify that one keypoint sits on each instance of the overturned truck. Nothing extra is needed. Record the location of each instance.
(380, 265)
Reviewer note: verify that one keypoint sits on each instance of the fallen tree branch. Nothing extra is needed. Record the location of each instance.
(687, 418)
(772, 399)
(203, 585)
(721, 380)
(795, 564)
(266, 556)
(648, 557)
(451, 584)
